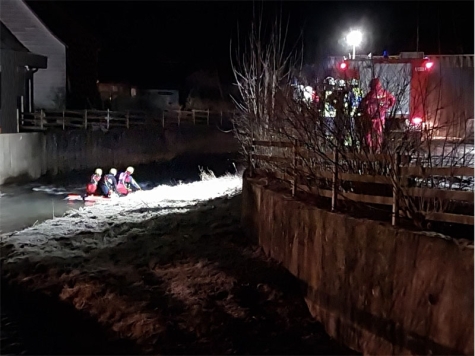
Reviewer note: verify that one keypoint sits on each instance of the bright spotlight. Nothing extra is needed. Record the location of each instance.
(354, 39)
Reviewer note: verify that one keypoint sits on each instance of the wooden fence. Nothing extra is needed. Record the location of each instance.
(294, 172)
(106, 119)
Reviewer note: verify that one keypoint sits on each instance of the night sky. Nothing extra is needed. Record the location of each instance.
(158, 43)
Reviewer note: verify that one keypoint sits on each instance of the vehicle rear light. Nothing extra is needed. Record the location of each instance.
(429, 65)
(416, 120)
(343, 65)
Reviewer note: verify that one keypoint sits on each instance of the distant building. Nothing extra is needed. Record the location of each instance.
(160, 99)
(111, 91)
(17, 79)
(117, 96)
(49, 91)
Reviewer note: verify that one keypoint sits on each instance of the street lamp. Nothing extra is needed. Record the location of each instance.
(354, 39)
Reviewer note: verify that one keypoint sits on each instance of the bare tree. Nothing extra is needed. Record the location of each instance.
(262, 68)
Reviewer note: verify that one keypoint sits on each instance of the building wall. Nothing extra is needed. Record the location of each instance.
(10, 88)
(378, 289)
(50, 83)
(13, 84)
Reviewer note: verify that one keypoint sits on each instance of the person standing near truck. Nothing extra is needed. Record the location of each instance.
(374, 107)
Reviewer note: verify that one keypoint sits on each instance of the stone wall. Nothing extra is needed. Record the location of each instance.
(378, 289)
(29, 155)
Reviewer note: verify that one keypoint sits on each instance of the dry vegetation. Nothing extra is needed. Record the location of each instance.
(184, 284)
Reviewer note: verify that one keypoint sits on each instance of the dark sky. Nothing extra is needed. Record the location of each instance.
(156, 43)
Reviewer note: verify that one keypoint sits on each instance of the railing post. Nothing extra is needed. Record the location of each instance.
(179, 116)
(163, 118)
(194, 118)
(85, 119)
(127, 119)
(335, 180)
(221, 113)
(251, 151)
(208, 118)
(294, 167)
(42, 117)
(63, 122)
(396, 189)
(107, 118)
(18, 120)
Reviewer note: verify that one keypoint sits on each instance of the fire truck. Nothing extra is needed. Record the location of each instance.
(405, 76)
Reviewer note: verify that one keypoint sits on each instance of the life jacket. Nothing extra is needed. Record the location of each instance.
(95, 178)
(109, 180)
(124, 178)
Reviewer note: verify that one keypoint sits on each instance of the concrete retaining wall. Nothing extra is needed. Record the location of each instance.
(29, 155)
(22, 156)
(377, 289)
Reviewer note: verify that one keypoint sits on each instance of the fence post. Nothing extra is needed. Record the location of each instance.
(127, 119)
(42, 118)
(221, 116)
(294, 167)
(63, 121)
(251, 150)
(208, 118)
(85, 119)
(194, 118)
(107, 118)
(163, 118)
(179, 116)
(396, 190)
(335, 180)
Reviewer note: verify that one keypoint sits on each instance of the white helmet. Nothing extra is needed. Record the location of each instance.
(113, 171)
(98, 171)
(130, 170)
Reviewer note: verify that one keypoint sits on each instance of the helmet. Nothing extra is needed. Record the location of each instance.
(113, 171)
(130, 170)
(98, 171)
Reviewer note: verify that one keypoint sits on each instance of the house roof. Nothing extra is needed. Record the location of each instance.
(9, 41)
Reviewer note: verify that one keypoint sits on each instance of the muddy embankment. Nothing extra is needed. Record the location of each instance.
(174, 278)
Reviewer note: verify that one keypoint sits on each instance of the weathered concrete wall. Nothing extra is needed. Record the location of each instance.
(76, 150)
(22, 156)
(31, 155)
(377, 289)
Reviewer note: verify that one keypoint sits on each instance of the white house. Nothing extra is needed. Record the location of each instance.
(50, 83)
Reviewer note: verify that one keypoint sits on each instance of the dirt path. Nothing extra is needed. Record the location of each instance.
(187, 283)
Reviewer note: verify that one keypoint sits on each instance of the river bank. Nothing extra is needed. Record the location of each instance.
(173, 275)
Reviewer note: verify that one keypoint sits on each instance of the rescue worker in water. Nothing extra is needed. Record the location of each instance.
(109, 183)
(126, 182)
(91, 187)
(374, 107)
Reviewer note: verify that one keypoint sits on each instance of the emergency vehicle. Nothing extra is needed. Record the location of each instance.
(405, 76)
